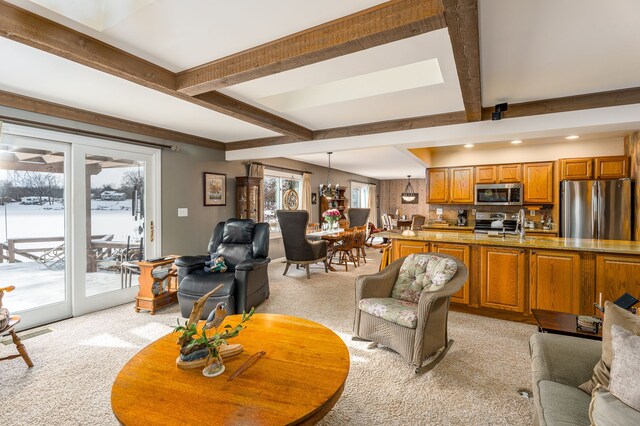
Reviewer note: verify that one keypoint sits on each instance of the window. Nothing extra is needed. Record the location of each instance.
(275, 185)
(359, 195)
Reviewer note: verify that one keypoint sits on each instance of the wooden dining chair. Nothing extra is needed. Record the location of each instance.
(359, 243)
(345, 248)
(7, 327)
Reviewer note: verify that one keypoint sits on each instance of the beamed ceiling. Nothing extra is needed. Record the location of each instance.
(296, 78)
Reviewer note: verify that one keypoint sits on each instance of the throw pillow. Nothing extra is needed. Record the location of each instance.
(613, 315)
(421, 272)
(607, 410)
(625, 367)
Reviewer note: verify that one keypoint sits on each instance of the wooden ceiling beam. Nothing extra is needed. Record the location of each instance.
(33, 30)
(26, 103)
(385, 23)
(462, 21)
(397, 125)
(569, 103)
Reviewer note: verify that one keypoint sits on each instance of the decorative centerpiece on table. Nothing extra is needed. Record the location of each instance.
(201, 347)
(331, 217)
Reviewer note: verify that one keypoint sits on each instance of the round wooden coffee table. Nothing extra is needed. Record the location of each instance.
(298, 381)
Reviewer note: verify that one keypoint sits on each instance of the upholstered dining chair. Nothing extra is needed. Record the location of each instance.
(298, 249)
(406, 305)
(358, 217)
(417, 221)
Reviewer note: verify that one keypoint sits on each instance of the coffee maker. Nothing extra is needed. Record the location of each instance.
(462, 218)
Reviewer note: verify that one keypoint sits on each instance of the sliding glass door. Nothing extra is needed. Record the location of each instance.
(77, 213)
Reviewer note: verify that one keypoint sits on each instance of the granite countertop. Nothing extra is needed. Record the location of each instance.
(542, 242)
(471, 225)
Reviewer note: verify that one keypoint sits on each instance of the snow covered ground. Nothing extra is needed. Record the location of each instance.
(37, 285)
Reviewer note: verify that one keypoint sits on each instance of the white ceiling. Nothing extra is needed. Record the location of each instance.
(367, 162)
(529, 50)
(545, 49)
(38, 74)
(178, 34)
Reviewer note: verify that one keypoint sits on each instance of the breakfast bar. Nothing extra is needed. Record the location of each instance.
(510, 276)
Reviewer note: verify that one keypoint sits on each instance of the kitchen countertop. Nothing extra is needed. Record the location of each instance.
(541, 242)
(470, 227)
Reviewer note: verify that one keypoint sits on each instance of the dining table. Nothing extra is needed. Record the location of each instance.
(331, 236)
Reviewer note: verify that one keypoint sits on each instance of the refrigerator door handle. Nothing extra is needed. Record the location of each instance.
(595, 201)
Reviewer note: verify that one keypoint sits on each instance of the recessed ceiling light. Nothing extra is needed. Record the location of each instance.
(572, 137)
(469, 145)
(517, 141)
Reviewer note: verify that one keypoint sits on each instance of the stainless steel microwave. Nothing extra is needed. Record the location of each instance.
(501, 194)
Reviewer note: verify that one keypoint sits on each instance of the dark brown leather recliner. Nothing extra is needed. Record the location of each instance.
(244, 245)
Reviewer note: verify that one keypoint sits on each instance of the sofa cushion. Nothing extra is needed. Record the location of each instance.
(397, 311)
(238, 231)
(199, 283)
(562, 404)
(613, 315)
(607, 410)
(422, 272)
(625, 366)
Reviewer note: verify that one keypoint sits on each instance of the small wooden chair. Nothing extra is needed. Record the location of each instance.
(345, 248)
(9, 329)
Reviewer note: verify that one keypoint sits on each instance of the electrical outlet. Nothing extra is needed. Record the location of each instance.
(183, 212)
(439, 211)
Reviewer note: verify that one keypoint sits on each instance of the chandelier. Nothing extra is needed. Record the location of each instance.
(327, 190)
(409, 193)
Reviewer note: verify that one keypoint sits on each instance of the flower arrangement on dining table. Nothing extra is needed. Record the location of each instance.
(332, 216)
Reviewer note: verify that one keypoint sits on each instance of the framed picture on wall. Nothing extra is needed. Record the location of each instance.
(215, 189)
(314, 198)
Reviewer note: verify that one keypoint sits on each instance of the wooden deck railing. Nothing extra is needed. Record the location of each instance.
(14, 247)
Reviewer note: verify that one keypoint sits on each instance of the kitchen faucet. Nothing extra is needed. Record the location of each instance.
(520, 225)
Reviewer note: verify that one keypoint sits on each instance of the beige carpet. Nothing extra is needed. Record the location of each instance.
(476, 383)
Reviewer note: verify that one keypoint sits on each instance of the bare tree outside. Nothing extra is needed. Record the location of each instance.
(45, 186)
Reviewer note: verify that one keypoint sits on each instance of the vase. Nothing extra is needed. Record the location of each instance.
(214, 367)
(334, 224)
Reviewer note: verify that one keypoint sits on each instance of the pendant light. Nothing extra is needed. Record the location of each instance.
(327, 190)
(409, 193)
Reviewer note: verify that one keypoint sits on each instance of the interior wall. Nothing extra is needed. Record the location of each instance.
(527, 152)
(391, 199)
(632, 149)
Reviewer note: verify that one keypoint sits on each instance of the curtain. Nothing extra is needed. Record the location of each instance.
(257, 170)
(305, 196)
(373, 205)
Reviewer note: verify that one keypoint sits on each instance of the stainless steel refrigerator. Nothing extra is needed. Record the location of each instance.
(598, 209)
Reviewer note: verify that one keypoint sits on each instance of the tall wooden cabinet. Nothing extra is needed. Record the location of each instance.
(462, 189)
(538, 182)
(248, 197)
(339, 202)
(437, 186)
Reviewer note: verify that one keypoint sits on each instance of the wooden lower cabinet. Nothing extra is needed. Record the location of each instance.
(502, 278)
(402, 248)
(617, 274)
(554, 281)
(462, 252)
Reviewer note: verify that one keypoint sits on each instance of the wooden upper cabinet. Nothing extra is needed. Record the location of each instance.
(510, 173)
(611, 167)
(538, 183)
(502, 278)
(554, 281)
(462, 188)
(486, 174)
(462, 252)
(437, 185)
(576, 168)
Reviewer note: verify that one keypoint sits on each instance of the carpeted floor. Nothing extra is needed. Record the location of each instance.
(476, 383)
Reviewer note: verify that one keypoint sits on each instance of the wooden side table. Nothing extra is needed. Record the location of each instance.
(147, 299)
(561, 323)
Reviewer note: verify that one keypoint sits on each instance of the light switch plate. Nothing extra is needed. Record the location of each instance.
(439, 211)
(183, 212)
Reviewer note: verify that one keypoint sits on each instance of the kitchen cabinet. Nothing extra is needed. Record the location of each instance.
(502, 278)
(339, 202)
(486, 174)
(611, 167)
(538, 182)
(576, 168)
(401, 248)
(462, 252)
(437, 185)
(616, 274)
(510, 173)
(554, 281)
(461, 182)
